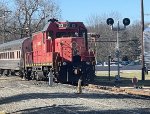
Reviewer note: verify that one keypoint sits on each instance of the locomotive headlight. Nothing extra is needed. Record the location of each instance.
(87, 63)
(77, 71)
(64, 63)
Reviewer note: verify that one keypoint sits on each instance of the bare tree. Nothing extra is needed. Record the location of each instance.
(134, 40)
(129, 39)
(5, 17)
(26, 17)
(31, 15)
(106, 42)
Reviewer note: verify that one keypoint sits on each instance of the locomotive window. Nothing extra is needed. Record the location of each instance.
(19, 54)
(65, 34)
(60, 34)
(82, 33)
(13, 55)
(0, 56)
(8, 54)
(72, 34)
(4, 55)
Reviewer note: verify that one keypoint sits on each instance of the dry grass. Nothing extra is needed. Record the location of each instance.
(124, 74)
(126, 77)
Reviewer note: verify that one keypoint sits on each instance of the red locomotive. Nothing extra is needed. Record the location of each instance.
(61, 47)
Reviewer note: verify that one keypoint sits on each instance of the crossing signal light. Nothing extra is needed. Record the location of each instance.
(110, 21)
(126, 21)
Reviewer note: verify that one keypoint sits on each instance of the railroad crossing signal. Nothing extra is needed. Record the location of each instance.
(126, 21)
(110, 21)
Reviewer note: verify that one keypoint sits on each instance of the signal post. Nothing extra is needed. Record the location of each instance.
(110, 22)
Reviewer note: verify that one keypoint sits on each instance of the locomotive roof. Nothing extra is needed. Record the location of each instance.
(48, 24)
(14, 42)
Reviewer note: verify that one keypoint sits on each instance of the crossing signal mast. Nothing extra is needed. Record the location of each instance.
(110, 22)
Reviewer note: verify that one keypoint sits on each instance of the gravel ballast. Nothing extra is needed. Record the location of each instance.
(30, 97)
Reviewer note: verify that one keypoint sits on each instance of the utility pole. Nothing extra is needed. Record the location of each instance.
(142, 25)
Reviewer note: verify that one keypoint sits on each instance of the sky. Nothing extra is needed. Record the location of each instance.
(81, 10)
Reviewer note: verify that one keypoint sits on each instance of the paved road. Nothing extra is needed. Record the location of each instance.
(31, 97)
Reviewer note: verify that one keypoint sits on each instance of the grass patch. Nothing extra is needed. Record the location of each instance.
(126, 77)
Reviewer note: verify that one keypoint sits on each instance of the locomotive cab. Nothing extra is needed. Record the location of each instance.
(74, 61)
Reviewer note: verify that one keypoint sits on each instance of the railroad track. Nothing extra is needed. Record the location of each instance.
(75, 96)
(46, 102)
(53, 104)
(107, 105)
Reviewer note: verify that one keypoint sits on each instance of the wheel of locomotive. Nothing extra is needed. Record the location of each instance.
(33, 75)
(1, 72)
(37, 77)
(16, 73)
(55, 79)
(45, 73)
(21, 74)
(12, 72)
(28, 75)
(6, 72)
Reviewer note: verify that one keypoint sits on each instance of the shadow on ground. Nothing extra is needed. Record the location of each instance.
(28, 96)
(71, 109)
